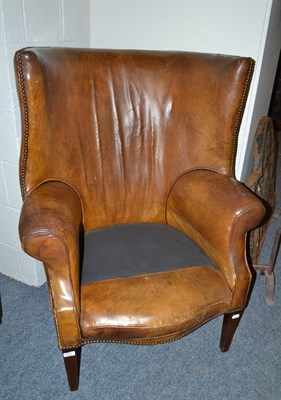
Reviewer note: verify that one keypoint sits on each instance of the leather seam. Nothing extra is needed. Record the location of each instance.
(24, 151)
(239, 116)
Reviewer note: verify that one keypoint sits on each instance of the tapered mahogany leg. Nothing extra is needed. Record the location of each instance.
(72, 365)
(230, 323)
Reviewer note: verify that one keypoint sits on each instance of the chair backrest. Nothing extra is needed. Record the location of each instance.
(121, 126)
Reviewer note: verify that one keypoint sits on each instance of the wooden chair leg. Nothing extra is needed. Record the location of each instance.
(230, 323)
(269, 288)
(72, 366)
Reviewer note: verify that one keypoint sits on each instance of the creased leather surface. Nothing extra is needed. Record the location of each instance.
(122, 125)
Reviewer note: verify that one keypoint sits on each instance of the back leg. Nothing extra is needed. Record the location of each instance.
(230, 323)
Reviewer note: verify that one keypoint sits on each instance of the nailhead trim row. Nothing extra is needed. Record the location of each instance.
(25, 120)
(238, 119)
(147, 344)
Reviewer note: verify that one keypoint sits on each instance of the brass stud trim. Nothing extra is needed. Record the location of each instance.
(92, 341)
(25, 122)
(239, 116)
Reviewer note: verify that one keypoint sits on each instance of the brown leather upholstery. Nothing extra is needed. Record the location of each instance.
(126, 137)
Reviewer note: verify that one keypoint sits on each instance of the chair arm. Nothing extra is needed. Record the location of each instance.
(217, 211)
(49, 230)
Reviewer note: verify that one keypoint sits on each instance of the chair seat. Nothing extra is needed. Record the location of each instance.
(151, 305)
(135, 249)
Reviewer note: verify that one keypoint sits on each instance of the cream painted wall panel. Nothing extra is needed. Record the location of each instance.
(270, 47)
(28, 271)
(231, 27)
(9, 149)
(10, 261)
(43, 21)
(11, 173)
(75, 18)
(20, 266)
(13, 11)
(5, 92)
(4, 200)
(9, 221)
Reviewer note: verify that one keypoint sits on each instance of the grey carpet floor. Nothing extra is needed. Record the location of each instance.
(31, 366)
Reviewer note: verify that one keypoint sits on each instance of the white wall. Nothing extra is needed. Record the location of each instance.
(27, 23)
(266, 69)
(237, 27)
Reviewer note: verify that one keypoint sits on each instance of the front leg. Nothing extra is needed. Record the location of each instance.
(230, 323)
(71, 360)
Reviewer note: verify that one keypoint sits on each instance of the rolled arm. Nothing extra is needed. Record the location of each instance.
(217, 211)
(49, 228)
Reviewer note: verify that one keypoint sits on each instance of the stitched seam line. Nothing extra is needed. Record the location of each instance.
(26, 124)
(239, 117)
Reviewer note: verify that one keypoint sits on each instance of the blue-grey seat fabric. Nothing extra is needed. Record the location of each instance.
(136, 249)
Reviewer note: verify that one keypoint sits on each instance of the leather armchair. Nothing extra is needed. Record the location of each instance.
(129, 195)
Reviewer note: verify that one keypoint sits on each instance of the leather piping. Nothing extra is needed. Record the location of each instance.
(25, 120)
(239, 116)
